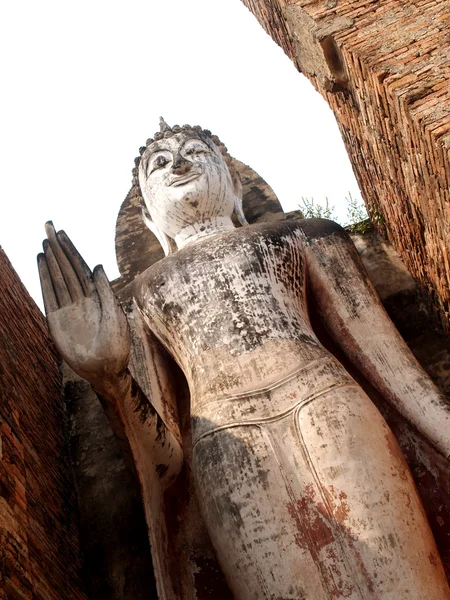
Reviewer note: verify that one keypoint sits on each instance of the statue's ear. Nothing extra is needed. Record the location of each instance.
(238, 210)
(167, 243)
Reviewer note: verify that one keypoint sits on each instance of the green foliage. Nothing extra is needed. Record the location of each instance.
(357, 217)
(312, 210)
(357, 221)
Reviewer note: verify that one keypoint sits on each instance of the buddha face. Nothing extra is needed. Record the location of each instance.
(184, 182)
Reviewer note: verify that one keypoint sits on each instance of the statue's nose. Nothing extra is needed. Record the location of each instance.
(181, 165)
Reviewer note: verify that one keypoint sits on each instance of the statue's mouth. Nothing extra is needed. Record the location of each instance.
(182, 179)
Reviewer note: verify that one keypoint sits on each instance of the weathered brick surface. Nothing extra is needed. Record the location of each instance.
(384, 68)
(39, 552)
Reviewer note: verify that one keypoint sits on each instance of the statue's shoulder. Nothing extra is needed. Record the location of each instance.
(310, 229)
(304, 230)
(319, 228)
(153, 277)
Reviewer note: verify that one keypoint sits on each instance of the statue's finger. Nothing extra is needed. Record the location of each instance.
(104, 289)
(68, 272)
(83, 272)
(48, 293)
(59, 285)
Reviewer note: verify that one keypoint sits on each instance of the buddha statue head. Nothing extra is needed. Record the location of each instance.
(187, 185)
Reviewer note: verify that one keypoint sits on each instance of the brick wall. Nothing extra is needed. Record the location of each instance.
(39, 552)
(384, 68)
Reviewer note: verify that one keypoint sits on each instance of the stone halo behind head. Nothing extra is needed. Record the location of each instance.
(136, 246)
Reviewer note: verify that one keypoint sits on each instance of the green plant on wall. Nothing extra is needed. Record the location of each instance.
(358, 221)
(313, 210)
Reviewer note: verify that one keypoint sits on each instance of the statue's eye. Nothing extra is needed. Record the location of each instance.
(195, 150)
(159, 163)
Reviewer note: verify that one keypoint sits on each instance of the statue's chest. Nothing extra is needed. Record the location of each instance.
(240, 287)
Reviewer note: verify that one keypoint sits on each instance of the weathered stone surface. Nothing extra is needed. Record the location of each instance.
(39, 545)
(116, 551)
(301, 485)
(136, 246)
(384, 68)
(403, 302)
(108, 493)
(394, 284)
(241, 412)
(258, 199)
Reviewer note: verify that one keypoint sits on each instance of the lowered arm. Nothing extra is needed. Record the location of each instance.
(353, 314)
(133, 418)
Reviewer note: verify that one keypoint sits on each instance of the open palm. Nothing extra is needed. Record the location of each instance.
(86, 322)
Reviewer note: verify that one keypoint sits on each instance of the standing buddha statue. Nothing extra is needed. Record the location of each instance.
(303, 489)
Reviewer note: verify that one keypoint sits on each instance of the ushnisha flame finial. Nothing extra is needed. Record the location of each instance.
(163, 126)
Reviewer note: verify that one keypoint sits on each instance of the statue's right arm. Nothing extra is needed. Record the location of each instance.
(90, 331)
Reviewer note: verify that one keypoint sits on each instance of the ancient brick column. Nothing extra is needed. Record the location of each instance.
(384, 68)
(39, 547)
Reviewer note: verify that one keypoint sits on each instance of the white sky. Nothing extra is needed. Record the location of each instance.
(84, 83)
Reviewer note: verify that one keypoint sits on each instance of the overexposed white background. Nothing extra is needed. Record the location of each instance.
(84, 83)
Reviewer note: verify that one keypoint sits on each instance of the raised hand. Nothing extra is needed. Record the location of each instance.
(86, 322)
